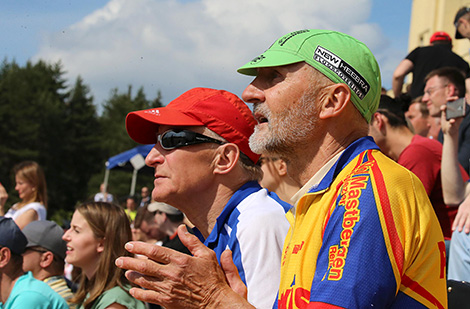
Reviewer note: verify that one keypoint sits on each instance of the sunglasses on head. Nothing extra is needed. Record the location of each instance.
(175, 138)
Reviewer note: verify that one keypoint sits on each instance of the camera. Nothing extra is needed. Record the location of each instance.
(456, 108)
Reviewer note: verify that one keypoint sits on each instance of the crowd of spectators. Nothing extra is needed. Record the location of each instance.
(278, 207)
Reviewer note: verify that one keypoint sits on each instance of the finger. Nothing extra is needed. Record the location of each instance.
(143, 266)
(455, 224)
(452, 98)
(467, 225)
(232, 275)
(146, 282)
(154, 252)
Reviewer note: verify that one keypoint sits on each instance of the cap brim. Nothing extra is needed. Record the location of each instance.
(270, 58)
(142, 125)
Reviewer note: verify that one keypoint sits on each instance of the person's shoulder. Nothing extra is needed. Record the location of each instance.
(262, 203)
(117, 295)
(424, 143)
(388, 171)
(33, 293)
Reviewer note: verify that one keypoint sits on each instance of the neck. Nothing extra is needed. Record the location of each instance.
(44, 274)
(7, 283)
(91, 269)
(397, 140)
(286, 189)
(203, 210)
(309, 158)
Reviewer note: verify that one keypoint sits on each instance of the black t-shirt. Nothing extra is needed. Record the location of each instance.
(426, 59)
(175, 243)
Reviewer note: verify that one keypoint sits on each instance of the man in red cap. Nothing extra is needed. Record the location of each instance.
(205, 168)
(423, 60)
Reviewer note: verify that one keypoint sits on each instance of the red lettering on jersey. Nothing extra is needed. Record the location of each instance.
(299, 297)
(351, 191)
(285, 301)
(297, 248)
(302, 297)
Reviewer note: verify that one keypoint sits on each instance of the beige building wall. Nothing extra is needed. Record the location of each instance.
(429, 16)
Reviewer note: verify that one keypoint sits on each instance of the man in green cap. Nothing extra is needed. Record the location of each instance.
(365, 233)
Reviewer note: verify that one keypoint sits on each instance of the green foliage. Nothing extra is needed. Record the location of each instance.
(42, 120)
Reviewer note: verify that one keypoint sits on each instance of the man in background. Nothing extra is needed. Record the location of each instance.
(168, 218)
(145, 197)
(462, 23)
(103, 195)
(419, 154)
(441, 84)
(423, 60)
(19, 290)
(131, 207)
(45, 256)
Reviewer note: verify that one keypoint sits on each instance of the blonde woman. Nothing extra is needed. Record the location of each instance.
(96, 238)
(32, 190)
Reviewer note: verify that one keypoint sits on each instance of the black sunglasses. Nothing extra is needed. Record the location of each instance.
(172, 139)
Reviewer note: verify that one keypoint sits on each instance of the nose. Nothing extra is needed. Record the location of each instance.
(253, 94)
(154, 157)
(425, 97)
(65, 237)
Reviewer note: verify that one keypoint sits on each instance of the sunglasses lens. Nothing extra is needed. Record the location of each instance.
(173, 139)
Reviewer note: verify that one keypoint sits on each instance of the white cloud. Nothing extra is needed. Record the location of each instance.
(173, 46)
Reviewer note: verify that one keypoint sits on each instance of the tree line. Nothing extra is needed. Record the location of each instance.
(45, 120)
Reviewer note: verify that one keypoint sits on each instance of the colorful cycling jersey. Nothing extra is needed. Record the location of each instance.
(365, 236)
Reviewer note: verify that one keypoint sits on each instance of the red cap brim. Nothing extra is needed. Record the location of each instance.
(142, 126)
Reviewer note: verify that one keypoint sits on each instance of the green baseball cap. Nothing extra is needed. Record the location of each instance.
(338, 56)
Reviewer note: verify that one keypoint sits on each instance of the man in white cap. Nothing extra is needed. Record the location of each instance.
(168, 218)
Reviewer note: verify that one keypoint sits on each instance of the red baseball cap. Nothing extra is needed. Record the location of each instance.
(218, 110)
(440, 36)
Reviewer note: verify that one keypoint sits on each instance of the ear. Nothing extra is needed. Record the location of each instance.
(378, 121)
(281, 167)
(5, 256)
(46, 259)
(226, 158)
(451, 90)
(335, 100)
(100, 247)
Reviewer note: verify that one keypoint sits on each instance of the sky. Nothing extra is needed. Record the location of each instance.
(175, 45)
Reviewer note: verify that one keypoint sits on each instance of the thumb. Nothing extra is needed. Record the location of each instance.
(232, 275)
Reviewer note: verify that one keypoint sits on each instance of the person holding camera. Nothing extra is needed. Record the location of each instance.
(441, 84)
(419, 154)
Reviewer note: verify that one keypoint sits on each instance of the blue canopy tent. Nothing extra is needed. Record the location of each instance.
(132, 159)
